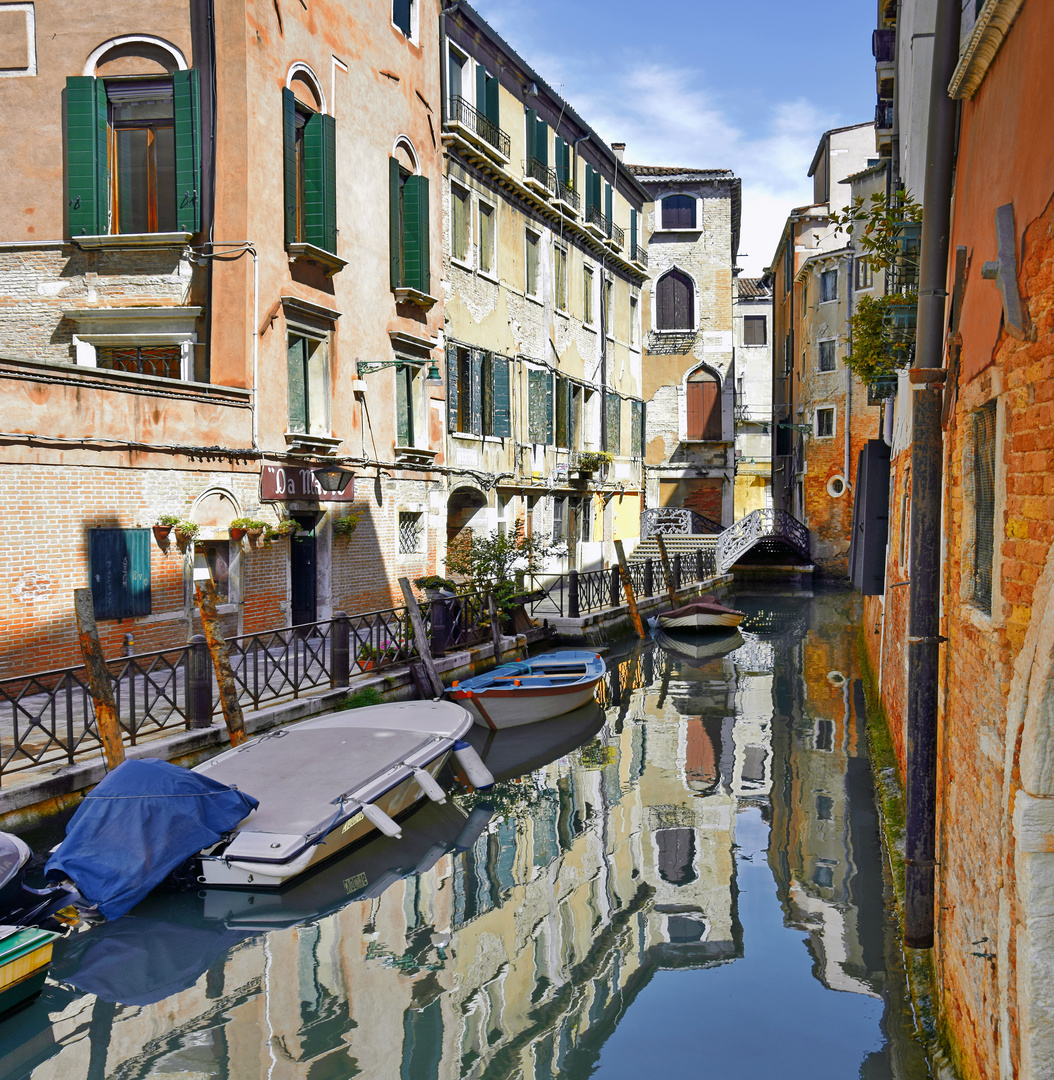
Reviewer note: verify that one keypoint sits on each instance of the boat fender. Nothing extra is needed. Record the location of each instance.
(479, 776)
(428, 785)
(377, 817)
(474, 825)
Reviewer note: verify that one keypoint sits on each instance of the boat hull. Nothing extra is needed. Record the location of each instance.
(501, 709)
(701, 621)
(24, 960)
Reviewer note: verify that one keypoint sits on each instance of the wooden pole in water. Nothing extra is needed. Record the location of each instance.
(671, 592)
(424, 647)
(106, 722)
(221, 662)
(495, 626)
(627, 585)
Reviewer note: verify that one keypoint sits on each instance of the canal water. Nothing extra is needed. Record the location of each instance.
(684, 881)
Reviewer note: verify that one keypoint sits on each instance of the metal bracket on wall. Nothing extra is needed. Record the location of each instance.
(1004, 272)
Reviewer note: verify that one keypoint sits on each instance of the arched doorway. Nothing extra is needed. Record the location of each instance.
(461, 510)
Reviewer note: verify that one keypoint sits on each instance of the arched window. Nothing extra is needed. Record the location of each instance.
(678, 212)
(704, 407)
(675, 302)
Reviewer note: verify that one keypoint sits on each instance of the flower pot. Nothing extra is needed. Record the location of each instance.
(253, 534)
(184, 539)
(365, 665)
(237, 534)
(162, 533)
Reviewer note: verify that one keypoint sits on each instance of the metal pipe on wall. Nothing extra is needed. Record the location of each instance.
(926, 479)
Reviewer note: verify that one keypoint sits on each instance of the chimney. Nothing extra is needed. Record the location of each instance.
(619, 148)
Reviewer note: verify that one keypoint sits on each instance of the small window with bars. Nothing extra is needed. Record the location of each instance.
(827, 355)
(984, 441)
(411, 533)
(165, 361)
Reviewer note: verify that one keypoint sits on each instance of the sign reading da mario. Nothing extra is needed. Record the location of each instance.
(282, 483)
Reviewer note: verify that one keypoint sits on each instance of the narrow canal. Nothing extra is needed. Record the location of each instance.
(687, 881)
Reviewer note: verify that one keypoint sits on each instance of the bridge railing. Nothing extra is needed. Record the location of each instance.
(677, 521)
(764, 524)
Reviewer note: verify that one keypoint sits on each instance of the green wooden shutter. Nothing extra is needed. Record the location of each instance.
(86, 164)
(475, 400)
(451, 388)
(492, 109)
(562, 388)
(632, 233)
(403, 400)
(531, 130)
(297, 356)
(320, 182)
(590, 173)
(395, 224)
(187, 113)
(614, 413)
(541, 142)
(289, 152)
(558, 161)
(574, 394)
(481, 89)
(501, 399)
(119, 561)
(608, 205)
(415, 233)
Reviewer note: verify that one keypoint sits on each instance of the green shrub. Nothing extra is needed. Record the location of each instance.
(368, 695)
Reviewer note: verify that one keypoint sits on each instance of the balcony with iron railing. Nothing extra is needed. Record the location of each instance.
(638, 254)
(616, 236)
(884, 46)
(540, 174)
(884, 115)
(597, 221)
(566, 194)
(463, 115)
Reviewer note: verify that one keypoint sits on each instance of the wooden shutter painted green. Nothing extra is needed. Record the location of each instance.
(451, 388)
(591, 176)
(492, 109)
(614, 415)
(415, 233)
(501, 401)
(395, 225)
(481, 89)
(563, 388)
(531, 132)
(608, 205)
(297, 357)
(187, 114)
(548, 414)
(289, 153)
(403, 402)
(475, 400)
(541, 141)
(320, 182)
(632, 233)
(119, 561)
(86, 164)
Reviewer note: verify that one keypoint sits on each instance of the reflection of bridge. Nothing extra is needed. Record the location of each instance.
(767, 533)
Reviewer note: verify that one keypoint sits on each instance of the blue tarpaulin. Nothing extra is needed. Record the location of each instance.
(138, 825)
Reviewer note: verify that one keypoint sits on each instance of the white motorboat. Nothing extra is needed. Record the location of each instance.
(325, 783)
(702, 614)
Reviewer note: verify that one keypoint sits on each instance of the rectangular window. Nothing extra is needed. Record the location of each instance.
(142, 155)
(212, 561)
(164, 361)
(825, 423)
(405, 401)
(402, 15)
(865, 276)
(584, 516)
(984, 438)
(824, 808)
(614, 418)
(459, 223)
(478, 397)
(486, 239)
(634, 315)
(308, 393)
(120, 572)
(587, 295)
(754, 330)
(533, 242)
(408, 226)
(540, 406)
(560, 276)
(637, 432)
(455, 75)
(823, 738)
(828, 285)
(411, 533)
(559, 520)
(310, 175)
(827, 358)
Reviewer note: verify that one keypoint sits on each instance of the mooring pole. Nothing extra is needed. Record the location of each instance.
(495, 626)
(671, 592)
(221, 662)
(106, 722)
(627, 585)
(424, 647)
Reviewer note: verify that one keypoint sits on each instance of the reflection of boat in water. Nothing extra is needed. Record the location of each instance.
(696, 646)
(523, 749)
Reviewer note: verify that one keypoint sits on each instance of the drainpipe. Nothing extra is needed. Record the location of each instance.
(927, 378)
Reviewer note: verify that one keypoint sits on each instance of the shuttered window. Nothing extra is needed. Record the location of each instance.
(614, 418)
(827, 356)
(754, 330)
(487, 94)
(560, 276)
(983, 476)
(637, 428)
(675, 302)
(408, 229)
(404, 405)
(119, 562)
(531, 251)
(609, 211)
(563, 402)
(828, 285)
(133, 154)
(632, 233)
(478, 392)
(540, 407)
(310, 143)
(307, 382)
(562, 153)
(499, 414)
(678, 212)
(459, 222)
(703, 407)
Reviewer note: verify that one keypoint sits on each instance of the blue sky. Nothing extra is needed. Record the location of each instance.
(748, 86)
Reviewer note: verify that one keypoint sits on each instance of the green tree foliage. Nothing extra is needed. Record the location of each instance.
(491, 562)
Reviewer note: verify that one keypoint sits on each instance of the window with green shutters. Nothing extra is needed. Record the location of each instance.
(478, 392)
(637, 428)
(568, 412)
(308, 393)
(408, 229)
(119, 561)
(540, 407)
(133, 154)
(404, 405)
(309, 140)
(565, 177)
(614, 418)
(487, 94)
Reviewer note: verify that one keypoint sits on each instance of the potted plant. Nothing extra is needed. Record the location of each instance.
(435, 586)
(242, 525)
(185, 533)
(163, 526)
(345, 526)
(589, 461)
(286, 527)
(882, 339)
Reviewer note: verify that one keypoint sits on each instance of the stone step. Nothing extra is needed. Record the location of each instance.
(683, 545)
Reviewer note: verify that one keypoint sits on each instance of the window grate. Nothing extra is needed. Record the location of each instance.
(410, 533)
(984, 504)
(161, 360)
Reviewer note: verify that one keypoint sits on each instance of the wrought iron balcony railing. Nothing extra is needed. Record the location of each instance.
(638, 254)
(616, 235)
(567, 194)
(884, 46)
(461, 112)
(884, 116)
(536, 170)
(601, 221)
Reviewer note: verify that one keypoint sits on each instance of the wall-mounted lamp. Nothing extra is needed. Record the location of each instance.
(333, 478)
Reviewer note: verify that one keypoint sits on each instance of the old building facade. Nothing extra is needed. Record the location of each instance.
(752, 342)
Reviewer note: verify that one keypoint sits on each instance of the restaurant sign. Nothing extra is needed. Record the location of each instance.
(283, 483)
